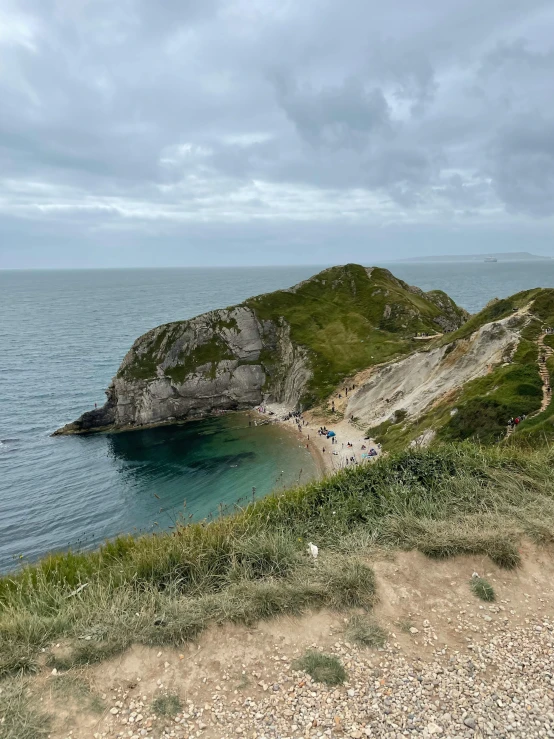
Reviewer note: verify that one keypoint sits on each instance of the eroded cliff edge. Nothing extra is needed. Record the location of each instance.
(291, 346)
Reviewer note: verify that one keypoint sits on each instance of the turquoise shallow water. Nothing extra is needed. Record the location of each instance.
(62, 337)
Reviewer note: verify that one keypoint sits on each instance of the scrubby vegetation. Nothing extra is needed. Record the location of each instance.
(19, 719)
(166, 705)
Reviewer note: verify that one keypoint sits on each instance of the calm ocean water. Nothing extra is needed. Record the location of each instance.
(62, 337)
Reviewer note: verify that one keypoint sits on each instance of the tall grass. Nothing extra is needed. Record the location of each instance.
(18, 719)
(165, 588)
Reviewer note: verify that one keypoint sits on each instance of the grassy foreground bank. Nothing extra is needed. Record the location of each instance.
(166, 588)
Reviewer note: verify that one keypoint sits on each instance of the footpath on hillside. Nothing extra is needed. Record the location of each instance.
(544, 353)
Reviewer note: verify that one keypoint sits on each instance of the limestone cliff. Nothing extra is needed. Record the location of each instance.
(414, 384)
(291, 346)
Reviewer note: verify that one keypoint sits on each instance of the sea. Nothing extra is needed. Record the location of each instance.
(63, 335)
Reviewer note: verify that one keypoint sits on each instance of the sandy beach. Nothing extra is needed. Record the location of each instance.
(349, 442)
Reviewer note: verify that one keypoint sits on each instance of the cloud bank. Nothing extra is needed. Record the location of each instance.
(249, 131)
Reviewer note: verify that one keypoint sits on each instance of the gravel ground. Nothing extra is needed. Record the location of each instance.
(501, 685)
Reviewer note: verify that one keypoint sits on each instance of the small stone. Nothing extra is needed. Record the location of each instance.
(434, 729)
(470, 723)
(413, 630)
(114, 711)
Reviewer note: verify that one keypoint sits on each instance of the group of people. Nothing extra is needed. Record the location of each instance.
(346, 389)
(517, 420)
(294, 415)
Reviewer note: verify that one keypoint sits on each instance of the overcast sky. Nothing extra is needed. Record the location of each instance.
(193, 132)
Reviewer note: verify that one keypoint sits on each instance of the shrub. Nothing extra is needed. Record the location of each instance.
(480, 418)
(350, 585)
(482, 589)
(323, 668)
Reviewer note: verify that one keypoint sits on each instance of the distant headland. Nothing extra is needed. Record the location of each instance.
(514, 256)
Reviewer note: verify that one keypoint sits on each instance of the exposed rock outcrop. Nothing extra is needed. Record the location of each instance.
(221, 361)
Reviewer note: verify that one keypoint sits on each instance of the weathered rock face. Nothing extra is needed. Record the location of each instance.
(221, 361)
(291, 347)
(413, 384)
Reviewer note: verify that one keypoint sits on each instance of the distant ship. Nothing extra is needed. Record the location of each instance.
(490, 259)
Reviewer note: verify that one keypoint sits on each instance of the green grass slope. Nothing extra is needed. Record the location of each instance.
(166, 588)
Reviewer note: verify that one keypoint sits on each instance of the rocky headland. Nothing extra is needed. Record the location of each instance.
(292, 347)
(417, 366)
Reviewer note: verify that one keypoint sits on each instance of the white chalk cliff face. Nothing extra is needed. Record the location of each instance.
(220, 361)
(417, 382)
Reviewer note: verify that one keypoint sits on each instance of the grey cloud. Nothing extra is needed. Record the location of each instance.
(523, 167)
(336, 117)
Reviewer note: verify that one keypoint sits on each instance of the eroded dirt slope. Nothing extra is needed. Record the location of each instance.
(452, 666)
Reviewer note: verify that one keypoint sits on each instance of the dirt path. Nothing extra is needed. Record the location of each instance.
(543, 351)
(546, 352)
(452, 666)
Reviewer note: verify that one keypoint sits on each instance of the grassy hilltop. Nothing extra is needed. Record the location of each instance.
(352, 317)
